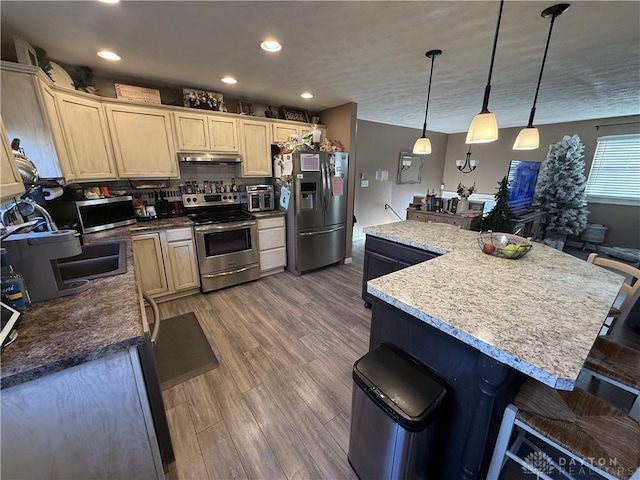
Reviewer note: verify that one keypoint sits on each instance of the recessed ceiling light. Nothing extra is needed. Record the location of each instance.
(109, 1)
(271, 46)
(229, 80)
(107, 55)
(306, 95)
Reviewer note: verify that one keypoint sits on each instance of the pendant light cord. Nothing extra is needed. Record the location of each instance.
(487, 89)
(544, 59)
(426, 111)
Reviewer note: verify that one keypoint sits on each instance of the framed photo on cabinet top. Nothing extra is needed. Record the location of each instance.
(295, 114)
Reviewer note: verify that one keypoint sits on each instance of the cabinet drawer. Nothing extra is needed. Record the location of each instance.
(402, 253)
(275, 258)
(271, 238)
(176, 234)
(416, 216)
(270, 222)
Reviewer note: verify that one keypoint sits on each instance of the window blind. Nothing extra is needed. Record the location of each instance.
(615, 171)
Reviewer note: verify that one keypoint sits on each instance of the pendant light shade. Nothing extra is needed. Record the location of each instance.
(529, 138)
(423, 144)
(484, 126)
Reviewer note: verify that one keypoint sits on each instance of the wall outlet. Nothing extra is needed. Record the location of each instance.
(364, 183)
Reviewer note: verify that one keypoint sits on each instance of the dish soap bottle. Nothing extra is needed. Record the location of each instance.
(14, 290)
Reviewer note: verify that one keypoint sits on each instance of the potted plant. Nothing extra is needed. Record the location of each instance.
(560, 192)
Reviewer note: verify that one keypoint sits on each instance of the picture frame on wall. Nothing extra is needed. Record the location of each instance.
(295, 114)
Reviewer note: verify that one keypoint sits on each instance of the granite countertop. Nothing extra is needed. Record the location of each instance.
(539, 314)
(160, 224)
(67, 331)
(269, 214)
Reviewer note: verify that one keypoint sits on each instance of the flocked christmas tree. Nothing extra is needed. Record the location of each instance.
(500, 218)
(560, 189)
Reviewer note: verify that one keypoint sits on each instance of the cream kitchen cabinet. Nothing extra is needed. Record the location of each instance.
(272, 242)
(255, 147)
(282, 131)
(25, 117)
(142, 140)
(200, 132)
(10, 182)
(87, 137)
(166, 263)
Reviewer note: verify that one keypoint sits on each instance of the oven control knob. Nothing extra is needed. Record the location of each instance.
(235, 197)
(188, 200)
(225, 197)
(195, 199)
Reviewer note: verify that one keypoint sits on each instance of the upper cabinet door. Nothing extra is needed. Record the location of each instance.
(283, 132)
(223, 134)
(255, 138)
(142, 141)
(24, 118)
(10, 181)
(87, 137)
(191, 131)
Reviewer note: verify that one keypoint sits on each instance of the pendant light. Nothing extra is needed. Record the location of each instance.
(467, 165)
(423, 144)
(529, 138)
(484, 126)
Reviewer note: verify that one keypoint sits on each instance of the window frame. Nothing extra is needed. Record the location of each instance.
(597, 161)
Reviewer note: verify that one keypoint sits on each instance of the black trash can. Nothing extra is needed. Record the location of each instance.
(394, 411)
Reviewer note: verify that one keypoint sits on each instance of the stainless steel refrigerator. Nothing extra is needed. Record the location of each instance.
(312, 187)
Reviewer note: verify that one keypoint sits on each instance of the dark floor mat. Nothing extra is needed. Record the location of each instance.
(182, 350)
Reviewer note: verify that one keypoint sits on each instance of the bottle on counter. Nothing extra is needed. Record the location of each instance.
(234, 187)
(206, 187)
(14, 290)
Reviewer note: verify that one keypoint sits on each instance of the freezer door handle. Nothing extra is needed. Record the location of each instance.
(323, 196)
(308, 234)
(327, 191)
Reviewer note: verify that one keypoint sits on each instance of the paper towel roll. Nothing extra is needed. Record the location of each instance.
(51, 193)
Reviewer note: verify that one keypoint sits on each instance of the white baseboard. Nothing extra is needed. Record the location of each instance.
(348, 260)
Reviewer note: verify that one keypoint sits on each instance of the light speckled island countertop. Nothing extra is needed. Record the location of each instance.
(67, 331)
(539, 314)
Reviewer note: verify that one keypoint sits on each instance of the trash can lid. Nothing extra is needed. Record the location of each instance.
(394, 378)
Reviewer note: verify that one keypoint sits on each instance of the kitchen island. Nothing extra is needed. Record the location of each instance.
(484, 324)
(74, 402)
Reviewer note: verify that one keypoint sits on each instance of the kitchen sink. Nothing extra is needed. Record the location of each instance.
(96, 261)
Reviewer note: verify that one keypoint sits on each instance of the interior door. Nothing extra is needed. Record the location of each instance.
(308, 200)
(337, 166)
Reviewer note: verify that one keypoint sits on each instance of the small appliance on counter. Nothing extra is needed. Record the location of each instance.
(32, 254)
(257, 198)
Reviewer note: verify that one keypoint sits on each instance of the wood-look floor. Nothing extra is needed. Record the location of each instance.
(279, 404)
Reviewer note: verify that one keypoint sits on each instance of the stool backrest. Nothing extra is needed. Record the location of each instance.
(631, 286)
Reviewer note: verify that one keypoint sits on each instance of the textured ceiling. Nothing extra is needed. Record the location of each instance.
(371, 53)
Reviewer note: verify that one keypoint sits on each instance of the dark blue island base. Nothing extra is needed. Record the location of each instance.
(479, 389)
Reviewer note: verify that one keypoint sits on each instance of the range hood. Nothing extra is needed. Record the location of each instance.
(206, 157)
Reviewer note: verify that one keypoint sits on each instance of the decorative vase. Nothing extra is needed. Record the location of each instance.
(463, 204)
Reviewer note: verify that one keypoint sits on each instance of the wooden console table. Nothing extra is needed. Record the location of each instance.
(466, 223)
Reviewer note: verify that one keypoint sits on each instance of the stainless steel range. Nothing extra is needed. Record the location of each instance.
(226, 239)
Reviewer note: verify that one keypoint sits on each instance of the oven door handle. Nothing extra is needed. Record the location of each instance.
(308, 234)
(228, 226)
(222, 274)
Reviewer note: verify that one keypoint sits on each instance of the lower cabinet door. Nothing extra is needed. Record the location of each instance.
(184, 270)
(149, 264)
(275, 258)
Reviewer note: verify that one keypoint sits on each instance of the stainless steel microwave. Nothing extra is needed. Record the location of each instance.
(257, 198)
(90, 216)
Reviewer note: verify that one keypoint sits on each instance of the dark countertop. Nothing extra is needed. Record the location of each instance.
(67, 331)
(270, 214)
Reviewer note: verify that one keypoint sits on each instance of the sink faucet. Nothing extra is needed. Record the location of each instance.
(27, 206)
